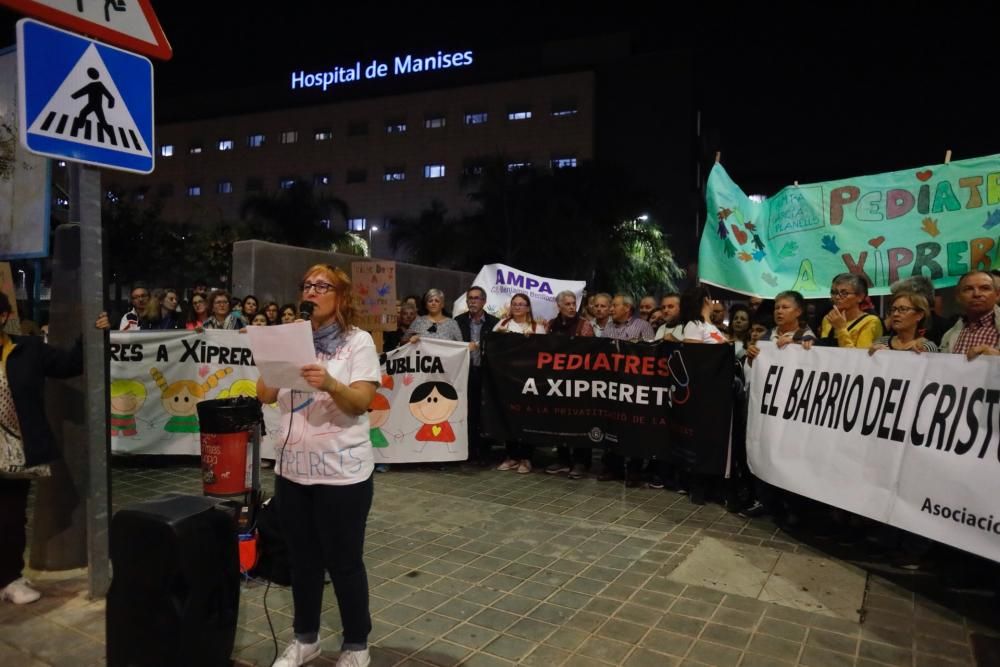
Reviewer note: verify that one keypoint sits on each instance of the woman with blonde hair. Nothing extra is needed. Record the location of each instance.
(520, 319)
(324, 471)
(908, 312)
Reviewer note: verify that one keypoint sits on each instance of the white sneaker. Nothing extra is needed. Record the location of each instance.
(298, 654)
(354, 659)
(19, 591)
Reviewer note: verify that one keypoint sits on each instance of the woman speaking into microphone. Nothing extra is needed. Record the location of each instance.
(324, 470)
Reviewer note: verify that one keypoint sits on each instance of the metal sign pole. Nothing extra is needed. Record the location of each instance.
(85, 203)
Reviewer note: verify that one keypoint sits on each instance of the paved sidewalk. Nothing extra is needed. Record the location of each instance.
(484, 568)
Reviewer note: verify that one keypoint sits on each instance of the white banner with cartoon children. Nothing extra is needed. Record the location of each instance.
(419, 413)
(158, 379)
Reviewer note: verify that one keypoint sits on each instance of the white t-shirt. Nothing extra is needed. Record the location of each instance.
(326, 445)
(706, 332)
(676, 331)
(513, 327)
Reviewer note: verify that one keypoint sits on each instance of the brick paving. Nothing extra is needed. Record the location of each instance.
(486, 568)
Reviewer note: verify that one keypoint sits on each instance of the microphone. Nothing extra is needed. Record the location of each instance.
(306, 310)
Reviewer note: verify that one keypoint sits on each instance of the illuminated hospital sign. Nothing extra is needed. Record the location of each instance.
(400, 65)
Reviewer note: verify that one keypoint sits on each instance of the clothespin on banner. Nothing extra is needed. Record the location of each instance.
(718, 156)
(947, 156)
(795, 183)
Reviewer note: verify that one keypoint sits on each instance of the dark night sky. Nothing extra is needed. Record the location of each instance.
(835, 92)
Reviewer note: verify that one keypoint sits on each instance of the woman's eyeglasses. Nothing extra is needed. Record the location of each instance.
(319, 288)
(902, 309)
(842, 293)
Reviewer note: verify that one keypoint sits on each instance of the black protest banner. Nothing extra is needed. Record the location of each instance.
(670, 400)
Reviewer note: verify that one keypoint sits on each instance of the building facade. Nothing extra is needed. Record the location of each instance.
(386, 157)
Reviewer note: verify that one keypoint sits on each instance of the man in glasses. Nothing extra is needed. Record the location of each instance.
(474, 325)
(139, 296)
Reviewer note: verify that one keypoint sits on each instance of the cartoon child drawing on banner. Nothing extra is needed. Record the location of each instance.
(378, 414)
(180, 399)
(432, 403)
(127, 397)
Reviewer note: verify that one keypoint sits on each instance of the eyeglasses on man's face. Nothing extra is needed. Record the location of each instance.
(318, 288)
(841, 293)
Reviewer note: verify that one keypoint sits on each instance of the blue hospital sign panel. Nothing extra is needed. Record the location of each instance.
(83, 100)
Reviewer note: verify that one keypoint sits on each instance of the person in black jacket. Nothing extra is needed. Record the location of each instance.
(474, 325)
(25, 362)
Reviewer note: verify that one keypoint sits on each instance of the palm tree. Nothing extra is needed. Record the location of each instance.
(430, 239)
(295, 215)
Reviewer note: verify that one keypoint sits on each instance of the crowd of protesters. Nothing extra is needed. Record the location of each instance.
(161, 309)
(848, 320)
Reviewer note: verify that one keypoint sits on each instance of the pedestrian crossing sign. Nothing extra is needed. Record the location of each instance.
(84, 101)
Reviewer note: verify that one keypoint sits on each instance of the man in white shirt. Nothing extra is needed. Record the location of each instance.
(602, 313)
(139, 297)
(671, 329)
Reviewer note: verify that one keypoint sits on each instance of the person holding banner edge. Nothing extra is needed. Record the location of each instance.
(474, 324)
(324, 508)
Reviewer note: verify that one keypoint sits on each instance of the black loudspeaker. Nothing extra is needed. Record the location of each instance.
(175, 591)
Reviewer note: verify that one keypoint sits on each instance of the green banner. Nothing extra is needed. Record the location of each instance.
(938, 221)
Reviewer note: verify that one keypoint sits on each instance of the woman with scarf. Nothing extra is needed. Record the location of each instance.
(324, 506)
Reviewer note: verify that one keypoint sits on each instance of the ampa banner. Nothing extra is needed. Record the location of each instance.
(158, 379)
(419, 414)
(909, 440)
(938, 221)
(640, 399)
(501, 282)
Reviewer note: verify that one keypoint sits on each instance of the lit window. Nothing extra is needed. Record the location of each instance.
(62, 202)
(166, 150)
(562, 113)
(563, 162)
(519, 114)
(62, 163)
(321, 179)
(432, 122)
(286, 183)
(358, 128)
(433, 171)
(394, 174)
(475, 118)
(357, 175)
(224, 187)
(194, 150)
(255, 140)
(112, 196)
(323, 135)
(397, 126)
(514, 166)
(325, 222)
(289, 137)
(225, 144)
(194, 191)
(357, 224)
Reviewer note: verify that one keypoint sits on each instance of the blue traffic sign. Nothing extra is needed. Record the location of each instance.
(84, 101)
